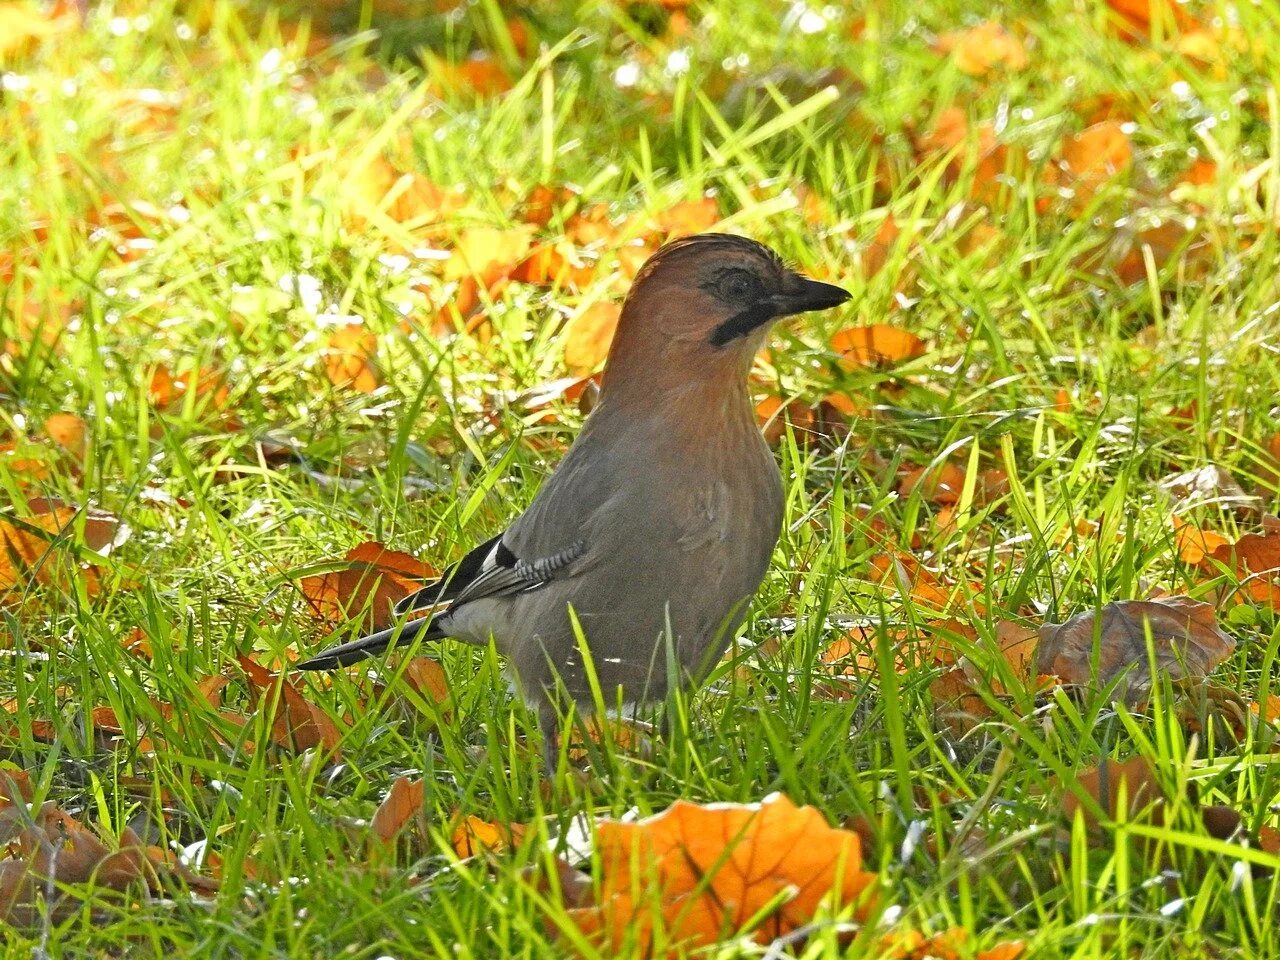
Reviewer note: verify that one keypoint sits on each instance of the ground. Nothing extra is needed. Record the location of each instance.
(279, 282)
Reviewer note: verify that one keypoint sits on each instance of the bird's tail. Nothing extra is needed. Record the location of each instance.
(394, 636)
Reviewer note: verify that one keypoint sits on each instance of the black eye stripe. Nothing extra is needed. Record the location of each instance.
(740, 324)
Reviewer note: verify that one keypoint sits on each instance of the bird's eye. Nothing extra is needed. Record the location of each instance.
(738, 286)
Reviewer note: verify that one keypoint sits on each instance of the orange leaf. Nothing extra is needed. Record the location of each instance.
(877, 251)
(68, 431)
(703, 871)
(348, 358)
(1134, 17)
(692, 216)
(402, 803)
(1093, 157)
(372, 582)
(473, 836)
(427, 678)
(979, 49)
(487, 253)
(1193, 544)
(875, 346)
(480, 73)
(942, 484)
(295, 723)
(589, 335)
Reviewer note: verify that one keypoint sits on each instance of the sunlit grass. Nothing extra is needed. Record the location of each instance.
(256, 141)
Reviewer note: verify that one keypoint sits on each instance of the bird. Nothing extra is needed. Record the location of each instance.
(653, 534)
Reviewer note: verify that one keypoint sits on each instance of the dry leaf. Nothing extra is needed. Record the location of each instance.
(348, 358)
(402, 803)
(977, 50)
(295, 723)
(1193, 544)
(875, 346)
(876, 253)
(937, 483)
(949, 945)
(372, 582)
(1187, 640)
(1210, 484)
(1093, 157)
(704, 871)
(426, 677)
(589, 335)
(692, 216)
(473, 836)
(68, 431)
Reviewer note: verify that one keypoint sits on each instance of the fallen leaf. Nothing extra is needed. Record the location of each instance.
(876, 253)
(348, 354)
(951, 944)
(1098, 646)
(295, 723)
(689, 217)
(700, 872)
(487, 253)
(875, 346)
(1195, 545)
(978, 50)
(1210, 484)
(473, 836)
(1092, 158)
(1133, 18)
(479, 74)
(426, 677)
(68, 431)
(589, 335)
(373, 580)
(402, 803)
(937, 483)
(165, 390)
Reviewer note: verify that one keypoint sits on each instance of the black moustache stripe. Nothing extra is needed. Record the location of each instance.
(740, 324)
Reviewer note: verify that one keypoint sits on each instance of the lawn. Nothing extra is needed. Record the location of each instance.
(300, 304)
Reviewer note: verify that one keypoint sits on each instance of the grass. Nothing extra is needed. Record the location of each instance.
(219, 109)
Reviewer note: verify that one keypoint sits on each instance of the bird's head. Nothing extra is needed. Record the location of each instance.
(702, 305)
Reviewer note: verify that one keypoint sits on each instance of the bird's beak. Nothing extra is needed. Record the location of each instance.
(800, 294)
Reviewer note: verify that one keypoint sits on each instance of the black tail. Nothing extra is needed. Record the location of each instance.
(394, 636)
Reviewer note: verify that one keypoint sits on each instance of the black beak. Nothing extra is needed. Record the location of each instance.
(800, 294)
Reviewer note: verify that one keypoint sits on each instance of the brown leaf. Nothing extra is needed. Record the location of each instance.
(348, 354)
(977, 50)
(473, 836)
(937, 483)
(705, 871)
(589, 335)
(1184, 632)
(402, 804)
(1210, 484)
(878, 345)
(427, 678)
(374, 579)
(68, 431)
(1093, 157)
(295, 723)
(101, 529)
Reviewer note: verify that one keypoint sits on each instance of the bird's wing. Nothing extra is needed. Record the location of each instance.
(491, 569)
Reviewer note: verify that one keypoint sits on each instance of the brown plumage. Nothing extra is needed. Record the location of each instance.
(658, 526)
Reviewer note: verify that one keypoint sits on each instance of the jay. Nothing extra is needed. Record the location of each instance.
(655, 531)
